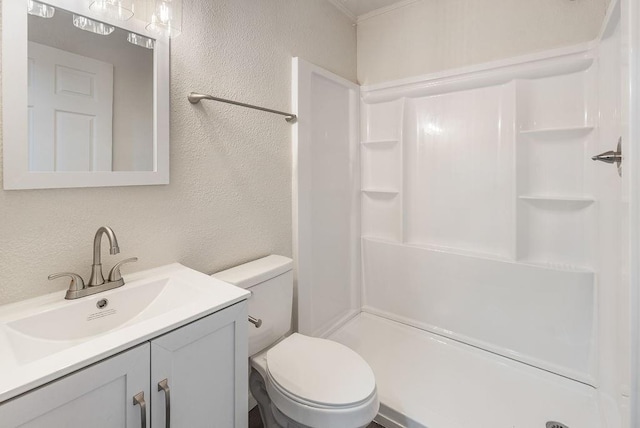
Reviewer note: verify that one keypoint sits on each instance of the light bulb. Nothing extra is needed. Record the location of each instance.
(165, 17)
(41, 10)
(97, 27)
(121, 10)
(138, 40)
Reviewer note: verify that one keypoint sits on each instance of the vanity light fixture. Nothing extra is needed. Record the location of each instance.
(122, 10)
(97, 27)
(164, 17)
(41, 10)
(138, 40)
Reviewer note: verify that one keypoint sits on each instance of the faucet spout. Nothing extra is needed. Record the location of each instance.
(96, 268)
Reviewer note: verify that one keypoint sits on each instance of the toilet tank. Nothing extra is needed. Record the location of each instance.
(270, 281)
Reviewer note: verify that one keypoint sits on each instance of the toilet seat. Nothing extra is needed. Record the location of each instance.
(322, 417)
(318, 382)
(320, 371)
(308, 403)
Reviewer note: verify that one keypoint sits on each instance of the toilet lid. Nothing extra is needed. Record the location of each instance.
(320, 371)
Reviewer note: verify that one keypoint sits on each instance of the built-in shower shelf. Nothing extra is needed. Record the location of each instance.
(381, 191)
(381, 143)
(560, 133)
(495, 256)
(557, 199)
(566, 202)
(565, 267)
(387, 240)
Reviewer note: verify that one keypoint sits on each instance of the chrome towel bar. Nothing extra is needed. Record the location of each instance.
(195, 98)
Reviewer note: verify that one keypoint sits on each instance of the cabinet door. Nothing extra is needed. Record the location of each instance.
(100, 396)
(205, 367)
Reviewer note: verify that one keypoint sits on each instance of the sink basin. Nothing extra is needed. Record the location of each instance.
(42, 333)
(47, 337)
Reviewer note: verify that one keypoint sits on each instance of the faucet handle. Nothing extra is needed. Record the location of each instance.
(77, 283)
(114, 273)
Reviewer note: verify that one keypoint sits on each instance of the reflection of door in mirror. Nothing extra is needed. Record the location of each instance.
(71, 106)
(93, 109)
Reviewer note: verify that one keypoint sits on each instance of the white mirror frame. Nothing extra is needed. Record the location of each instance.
(14, 107)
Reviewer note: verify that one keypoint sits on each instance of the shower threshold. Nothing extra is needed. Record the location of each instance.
(426, 380)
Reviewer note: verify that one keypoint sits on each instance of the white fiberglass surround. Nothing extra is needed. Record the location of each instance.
(326, 186)
(483, 218)
(479, 208)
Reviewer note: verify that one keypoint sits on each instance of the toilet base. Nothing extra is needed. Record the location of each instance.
(271, 416)
(259, 391)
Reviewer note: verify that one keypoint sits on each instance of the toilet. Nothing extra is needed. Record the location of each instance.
(297, 380)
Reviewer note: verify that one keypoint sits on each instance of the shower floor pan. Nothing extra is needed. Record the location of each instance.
(426, 380)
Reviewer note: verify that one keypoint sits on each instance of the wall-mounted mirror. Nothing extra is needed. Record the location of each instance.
(85, 98)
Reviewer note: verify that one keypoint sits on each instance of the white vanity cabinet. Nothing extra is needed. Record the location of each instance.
(99, 396)
(204, 364)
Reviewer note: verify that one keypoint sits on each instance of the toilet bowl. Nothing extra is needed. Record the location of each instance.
(297, 380)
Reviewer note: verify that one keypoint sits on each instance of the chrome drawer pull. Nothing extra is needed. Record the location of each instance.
(163, 385)
(138, 399)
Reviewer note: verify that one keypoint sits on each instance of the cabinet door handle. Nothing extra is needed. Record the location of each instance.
(139, 399)
(163, 385)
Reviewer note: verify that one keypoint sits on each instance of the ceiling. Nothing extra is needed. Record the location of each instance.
(361, 7)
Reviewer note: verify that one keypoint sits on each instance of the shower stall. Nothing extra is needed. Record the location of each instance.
(454, 230)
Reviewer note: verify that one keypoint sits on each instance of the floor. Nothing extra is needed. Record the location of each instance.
(256, 422)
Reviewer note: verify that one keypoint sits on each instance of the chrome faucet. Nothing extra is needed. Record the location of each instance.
(96, 268)
(97, 283)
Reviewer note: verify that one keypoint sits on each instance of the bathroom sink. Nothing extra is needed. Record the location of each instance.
(48, 336)
(39, 334)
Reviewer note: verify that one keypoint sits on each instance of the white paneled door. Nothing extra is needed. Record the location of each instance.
(71, 101)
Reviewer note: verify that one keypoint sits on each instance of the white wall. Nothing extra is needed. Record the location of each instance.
(229, 200)
(434, 35)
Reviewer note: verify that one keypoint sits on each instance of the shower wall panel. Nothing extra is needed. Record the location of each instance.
(541, 316)
(381, 169)
(478, 210)
(458, 169)
(326, 215)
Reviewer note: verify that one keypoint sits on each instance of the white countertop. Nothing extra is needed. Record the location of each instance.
(17, 377)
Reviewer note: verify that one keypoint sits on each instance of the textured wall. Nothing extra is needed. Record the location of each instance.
(229, 200)
(434, 35)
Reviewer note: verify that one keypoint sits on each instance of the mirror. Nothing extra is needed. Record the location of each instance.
(96, 105)
(90, 96)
